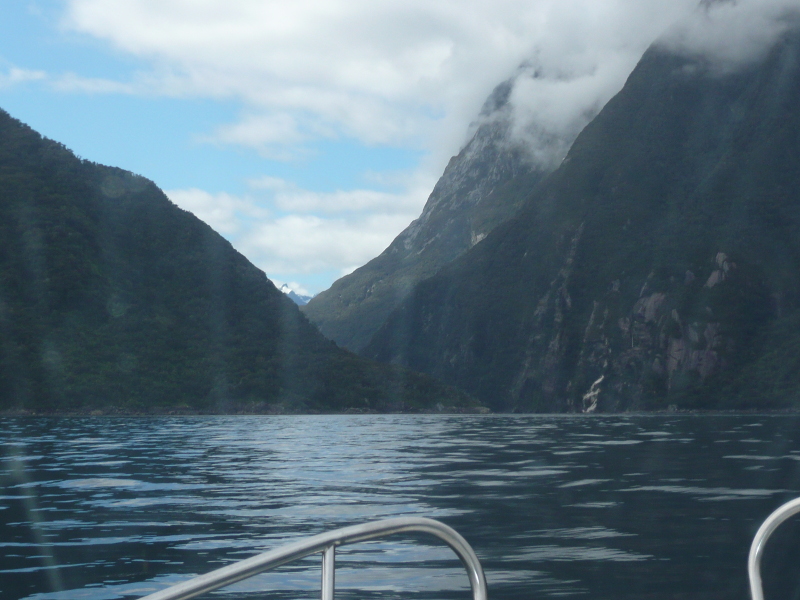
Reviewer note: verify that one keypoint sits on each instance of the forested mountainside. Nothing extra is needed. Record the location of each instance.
(657, 267)
(481, 187)
(114, 299)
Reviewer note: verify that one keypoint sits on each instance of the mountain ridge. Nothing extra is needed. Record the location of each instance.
(113, 299)
(478, 190)
(655, 268)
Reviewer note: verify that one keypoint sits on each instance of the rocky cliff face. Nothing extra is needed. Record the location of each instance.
(657, 267)
(481, 187)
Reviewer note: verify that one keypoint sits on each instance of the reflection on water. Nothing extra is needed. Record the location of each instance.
(603, 507)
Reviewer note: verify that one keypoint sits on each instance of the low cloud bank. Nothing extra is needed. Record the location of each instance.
(578, 64)
(383, 72)
(409, 74)
(730, 34)
(296, 235)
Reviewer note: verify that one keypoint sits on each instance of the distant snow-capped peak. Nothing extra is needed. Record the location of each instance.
(299, 299)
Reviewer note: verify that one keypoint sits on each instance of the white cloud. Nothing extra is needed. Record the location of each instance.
(381, 71)
(550, 112)
(407, 71)
(289, 232)
(71, 82)
(273, 135)
(580, 58)
(404, 73)
(308, 243)
(16, 76)
(303, 201)
(266, 182)
(732, 33)
(289, 198)
(298, 288)
(225, 213)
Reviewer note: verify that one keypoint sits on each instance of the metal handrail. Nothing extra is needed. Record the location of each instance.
(759, 541)
(326, 543)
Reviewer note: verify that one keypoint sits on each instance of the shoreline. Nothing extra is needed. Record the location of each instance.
(448, 410)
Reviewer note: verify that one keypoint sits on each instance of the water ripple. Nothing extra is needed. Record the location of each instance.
(105, 508)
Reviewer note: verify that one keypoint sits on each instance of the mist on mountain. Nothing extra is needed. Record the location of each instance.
(658, 265)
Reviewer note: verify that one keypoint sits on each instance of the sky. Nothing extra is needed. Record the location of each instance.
(310, 133)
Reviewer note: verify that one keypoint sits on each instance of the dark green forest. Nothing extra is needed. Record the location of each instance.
(113, 299)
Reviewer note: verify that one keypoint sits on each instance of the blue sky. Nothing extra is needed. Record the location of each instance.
(162, 137)
(308, 133)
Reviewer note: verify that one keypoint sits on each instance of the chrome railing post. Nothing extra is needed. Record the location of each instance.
(328, 572)
(326, 543)
(760, 540)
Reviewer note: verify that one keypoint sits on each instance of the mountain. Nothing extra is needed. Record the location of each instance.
(298, 299)
(658, 267)
(114, 299)
(480, 188)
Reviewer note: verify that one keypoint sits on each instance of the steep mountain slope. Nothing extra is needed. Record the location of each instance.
(658, 266)
(480, 188)
(111, 297)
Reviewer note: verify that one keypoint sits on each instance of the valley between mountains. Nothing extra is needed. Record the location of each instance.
(654, 267)
(657, 268)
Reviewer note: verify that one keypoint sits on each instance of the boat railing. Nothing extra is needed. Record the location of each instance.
(760, 540)
(326, 544)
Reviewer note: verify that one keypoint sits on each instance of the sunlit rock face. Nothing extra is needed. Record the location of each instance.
(483, 186)
(658, 267)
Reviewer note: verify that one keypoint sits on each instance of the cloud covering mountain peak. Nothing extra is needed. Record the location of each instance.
(729, 34)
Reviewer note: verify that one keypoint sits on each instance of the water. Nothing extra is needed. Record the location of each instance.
(660, 507)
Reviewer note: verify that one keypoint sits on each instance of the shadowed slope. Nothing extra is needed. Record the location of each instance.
(481, 187)
(659, 265)
(113, 298)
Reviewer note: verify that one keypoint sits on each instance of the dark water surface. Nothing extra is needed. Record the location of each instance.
(658, 507)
